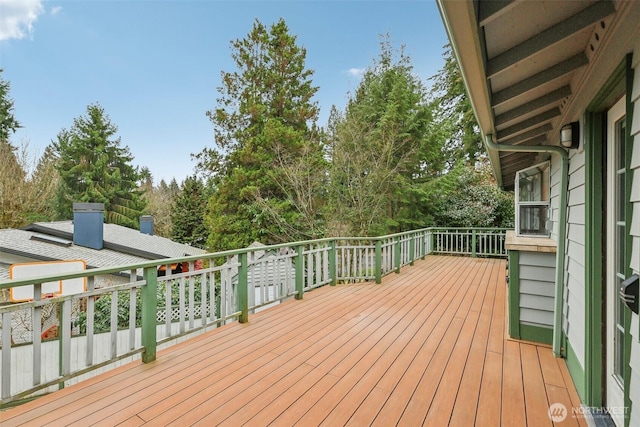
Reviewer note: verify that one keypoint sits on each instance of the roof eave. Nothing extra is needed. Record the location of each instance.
(461, 26)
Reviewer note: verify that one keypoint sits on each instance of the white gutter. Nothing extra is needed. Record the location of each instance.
(562, 227)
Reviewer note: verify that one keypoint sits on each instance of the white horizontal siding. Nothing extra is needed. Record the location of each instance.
(555, 195)
(532, 287)
(537, 288)
(542, 274)
(574, 293)
(536, 318)
(538, 259)
(537, 302)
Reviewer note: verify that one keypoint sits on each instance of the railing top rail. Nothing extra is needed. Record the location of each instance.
(5, 284)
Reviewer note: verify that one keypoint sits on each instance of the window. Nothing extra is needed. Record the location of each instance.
(532, 201)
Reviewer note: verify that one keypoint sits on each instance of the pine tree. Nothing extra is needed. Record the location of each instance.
(265, 120)
(455, 115)
(12, 174)
(381, 147)
(187, 213)
(8, 123)
(93, 167)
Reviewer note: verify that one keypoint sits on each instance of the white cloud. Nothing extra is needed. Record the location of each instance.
(55, 10)
(356, 72)
(17, 17)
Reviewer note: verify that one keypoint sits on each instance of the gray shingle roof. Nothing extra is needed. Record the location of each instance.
(19, 242)
(122, 246)
(124, 239)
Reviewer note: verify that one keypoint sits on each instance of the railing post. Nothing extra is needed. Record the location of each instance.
(149, 295)
(333, 271)
(243, 288)
(432, 242)
(397, 252)
(299, 272)
(412, 250)
(378, 267)
(473, 243)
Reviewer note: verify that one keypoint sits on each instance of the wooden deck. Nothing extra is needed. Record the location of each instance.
(425, 347)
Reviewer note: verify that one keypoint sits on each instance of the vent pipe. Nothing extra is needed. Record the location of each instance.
(146, 224)
(88, 222)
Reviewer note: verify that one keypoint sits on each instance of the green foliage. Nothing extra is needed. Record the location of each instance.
(264, 122)
(102, 307)
(454, 114)
(468, 196)
(159, 199)
(93, 167)
(8, 123)
(381, 147)
(187, 213)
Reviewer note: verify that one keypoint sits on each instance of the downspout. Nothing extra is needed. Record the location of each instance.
(562, 227)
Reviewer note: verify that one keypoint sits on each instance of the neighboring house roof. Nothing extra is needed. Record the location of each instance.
(123, 239)
(22, 243)
(4, 271)
(53, 241)
(529, 65)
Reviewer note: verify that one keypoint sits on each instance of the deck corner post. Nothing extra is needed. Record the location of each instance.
(333, 271)
(243, 288)
(149, 296)
(378, 266)
(299, 271)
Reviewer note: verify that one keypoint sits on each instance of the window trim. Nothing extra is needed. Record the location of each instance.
(546, 189)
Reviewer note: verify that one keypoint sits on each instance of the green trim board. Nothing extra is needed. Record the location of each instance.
(575, 370)
(514, 294)
(536, 334)
(594, 227)
(595, 154)
(594, 374)
(628, 241)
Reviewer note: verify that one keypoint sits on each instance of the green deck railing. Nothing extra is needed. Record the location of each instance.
(107, 325)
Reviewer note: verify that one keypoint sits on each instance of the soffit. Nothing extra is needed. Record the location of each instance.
(535, 56)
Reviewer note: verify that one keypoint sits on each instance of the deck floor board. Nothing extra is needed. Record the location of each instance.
(426, 347)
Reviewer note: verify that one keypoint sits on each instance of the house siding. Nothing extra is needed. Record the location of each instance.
(537, 283)
(634, 231)
(555, 196)
(574, 292)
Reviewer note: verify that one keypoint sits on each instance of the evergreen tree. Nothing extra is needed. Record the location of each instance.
(159, 200)
(93, 167)
(380, 147)
(265, 119)
(12, 174)
(42, 188)
(8, 123)
(187, 213)
(455, 114)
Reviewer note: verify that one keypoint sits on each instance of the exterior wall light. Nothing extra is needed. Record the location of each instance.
(570, 135)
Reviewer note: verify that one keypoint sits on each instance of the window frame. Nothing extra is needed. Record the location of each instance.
(544, 168)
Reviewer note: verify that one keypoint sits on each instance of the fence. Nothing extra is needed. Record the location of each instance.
(100, 328)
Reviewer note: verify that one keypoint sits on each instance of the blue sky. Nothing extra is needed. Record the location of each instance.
(155, 65)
